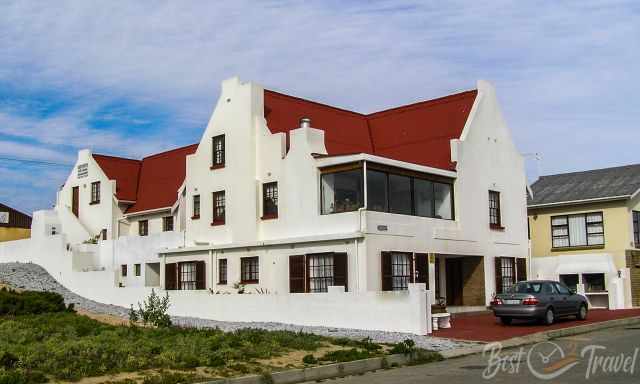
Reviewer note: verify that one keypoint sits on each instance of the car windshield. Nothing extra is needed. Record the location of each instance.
(526, 287)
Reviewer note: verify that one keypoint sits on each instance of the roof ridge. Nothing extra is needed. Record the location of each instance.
(438, 100)
(316, 103)
(116, 157)
(590, 170)
(170, 150)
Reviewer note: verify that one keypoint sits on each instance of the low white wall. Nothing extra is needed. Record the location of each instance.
(387, 311)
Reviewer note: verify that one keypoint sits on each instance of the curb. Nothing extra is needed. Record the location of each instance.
(543, 336)
(328, 371)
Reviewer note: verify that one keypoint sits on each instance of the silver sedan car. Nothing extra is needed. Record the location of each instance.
(543, 300)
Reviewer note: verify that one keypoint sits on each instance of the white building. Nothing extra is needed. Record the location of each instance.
(285, 195)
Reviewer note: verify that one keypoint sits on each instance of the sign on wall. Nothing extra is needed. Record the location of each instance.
(4, 217)
(83, 170)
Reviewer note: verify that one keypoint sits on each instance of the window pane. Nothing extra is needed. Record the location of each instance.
(443, 200)
(560, 231)
(377, 198)
(594, 217)
(593, 282)
(423, 197)
(320, 272)
(559, 220)
(400, 271)
(560, 242)
(577, 230)
(342, 191)
(400, 194)
(596, 239)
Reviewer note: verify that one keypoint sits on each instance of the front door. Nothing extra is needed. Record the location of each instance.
(75, 201)
(453, 269)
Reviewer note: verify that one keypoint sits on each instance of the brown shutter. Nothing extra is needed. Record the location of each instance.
(498, 275)
(340, 270)
(170, 275)
(422, 268)
(297, 268)
(200, 275)
(386, 271)
(521, 269)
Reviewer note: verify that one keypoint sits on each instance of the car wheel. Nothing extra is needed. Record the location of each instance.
(549, 317)
(582, 312)
(505, 320)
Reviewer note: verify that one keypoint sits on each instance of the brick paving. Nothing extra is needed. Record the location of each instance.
(485, 327)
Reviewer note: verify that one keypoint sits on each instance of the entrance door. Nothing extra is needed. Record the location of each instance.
(75, 201)
(454, 281)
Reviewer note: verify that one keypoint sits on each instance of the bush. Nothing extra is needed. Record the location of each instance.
(15, 303)
(406, 347)
(152, 311)
(309, 359)
(344, 355)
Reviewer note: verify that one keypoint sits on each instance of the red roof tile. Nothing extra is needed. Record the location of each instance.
(418, 133)
(124, 172)
(152, 182)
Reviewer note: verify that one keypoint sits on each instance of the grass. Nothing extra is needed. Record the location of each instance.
(53, 343)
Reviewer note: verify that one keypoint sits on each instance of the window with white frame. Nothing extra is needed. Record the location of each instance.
(187, 275)
(400, 271)
(584, 229)
(320, 272)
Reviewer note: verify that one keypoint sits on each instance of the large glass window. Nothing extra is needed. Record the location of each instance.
(377, 196)
(423, 198)
(342, 191)
(577, 230)
(400, 194)
(443, 206)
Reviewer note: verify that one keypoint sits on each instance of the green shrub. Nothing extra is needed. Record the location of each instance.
(344, 355)
(152, 311)
(406, 347)
(15, 303)
(309, 359)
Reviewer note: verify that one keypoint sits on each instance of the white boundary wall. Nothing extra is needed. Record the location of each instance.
(385, 311)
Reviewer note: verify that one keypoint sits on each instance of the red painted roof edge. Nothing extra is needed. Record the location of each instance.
(439, 100)
(170, 150)
(338, 109)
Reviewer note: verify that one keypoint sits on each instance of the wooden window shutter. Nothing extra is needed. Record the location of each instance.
(422, 268)
(297, 268)
(170, 276)
(498, 275)
(521, 269)
(386, 271)
(340, 270)
(200, 275)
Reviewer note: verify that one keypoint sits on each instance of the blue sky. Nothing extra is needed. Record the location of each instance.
(134, 78)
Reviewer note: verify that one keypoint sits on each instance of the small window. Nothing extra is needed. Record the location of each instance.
(143, 227)
(187, 275)
(494, 210)
(270, 200)
(222, 271)
(95, 192)
(342, 191)
(217, 152)
(123, 270)
(593, 282)
(507, 273)
(249, 270)
(219, 215)
(636, 229)
(196, 207)
(167, 223)
(136, 269)
(586, 229)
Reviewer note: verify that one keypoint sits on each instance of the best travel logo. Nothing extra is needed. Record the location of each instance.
(548, 360)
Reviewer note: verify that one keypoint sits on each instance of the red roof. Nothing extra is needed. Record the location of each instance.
(417, 133)
(124, 172)
(152, 182)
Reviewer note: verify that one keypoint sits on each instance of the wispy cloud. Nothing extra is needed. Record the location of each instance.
(141, 76)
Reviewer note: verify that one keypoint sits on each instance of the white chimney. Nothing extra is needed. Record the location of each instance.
(305, 122)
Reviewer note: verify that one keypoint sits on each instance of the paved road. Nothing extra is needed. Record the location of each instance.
(582, 353)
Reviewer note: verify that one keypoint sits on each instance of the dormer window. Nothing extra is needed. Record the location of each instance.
(217, 160)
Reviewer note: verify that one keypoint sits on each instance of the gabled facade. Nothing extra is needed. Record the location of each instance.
(286, 195)
(584, 229)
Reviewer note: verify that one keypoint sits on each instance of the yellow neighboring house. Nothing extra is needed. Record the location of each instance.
(14, 225)
(585, 231)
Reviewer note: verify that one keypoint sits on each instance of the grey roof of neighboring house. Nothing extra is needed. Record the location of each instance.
(594, 184)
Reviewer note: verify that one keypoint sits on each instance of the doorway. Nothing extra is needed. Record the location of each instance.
(75, 201)
(453, 268)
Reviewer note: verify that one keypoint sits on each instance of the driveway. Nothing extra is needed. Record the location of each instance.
(583, 354)
(485, 327)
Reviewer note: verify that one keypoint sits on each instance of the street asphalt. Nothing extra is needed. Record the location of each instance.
(606, 356)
